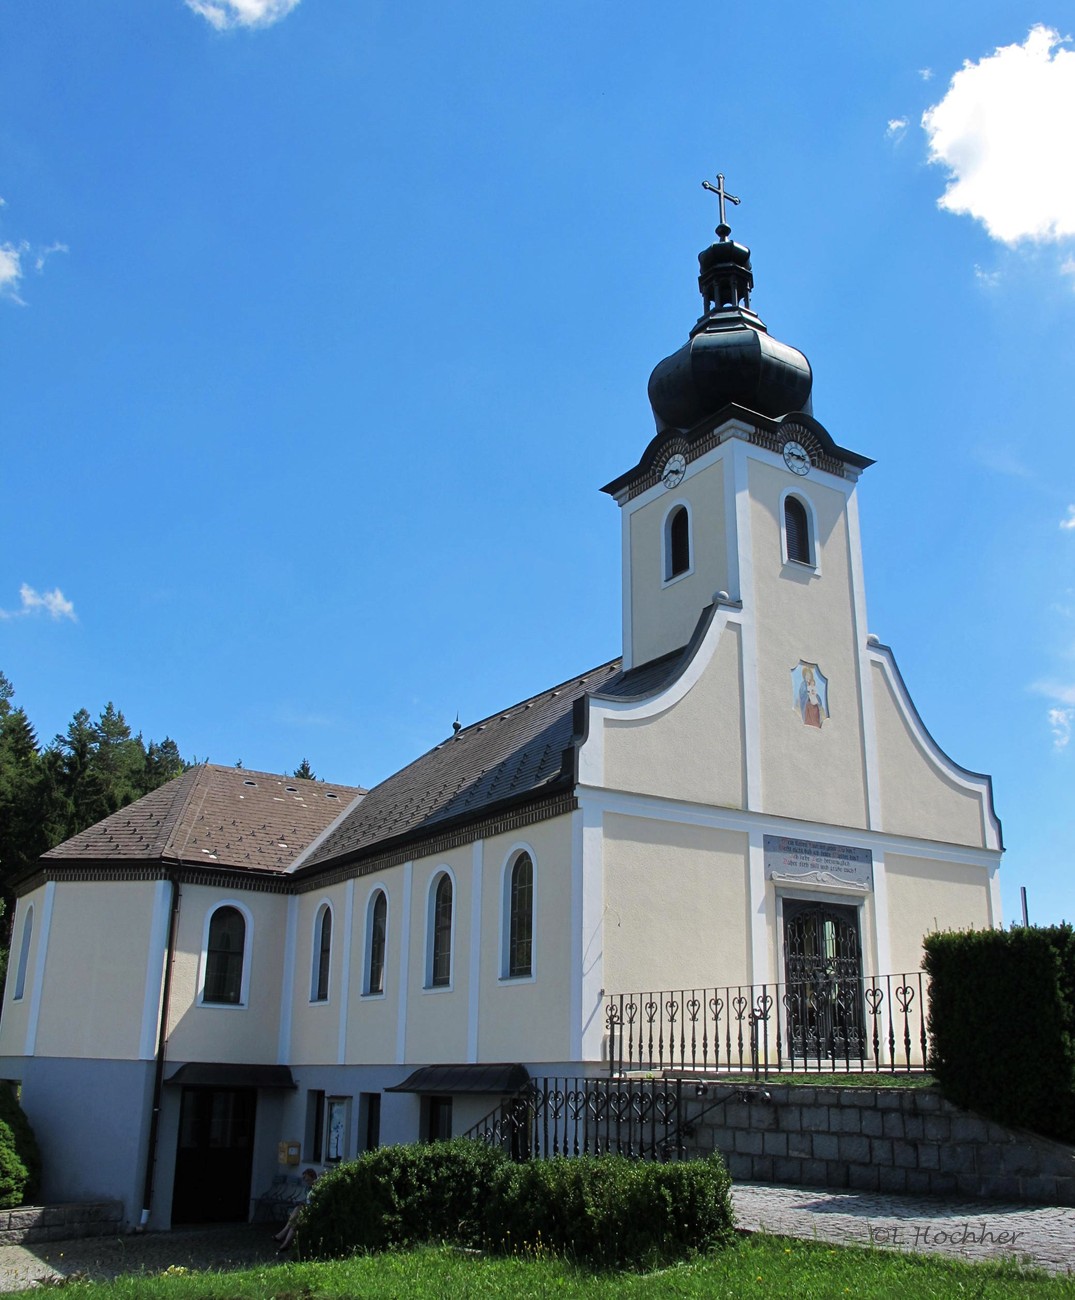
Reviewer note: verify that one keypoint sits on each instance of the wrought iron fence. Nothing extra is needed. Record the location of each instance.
(869, 1023)
(587, 1116)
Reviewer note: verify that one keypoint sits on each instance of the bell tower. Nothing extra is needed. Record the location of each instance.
(730, 394)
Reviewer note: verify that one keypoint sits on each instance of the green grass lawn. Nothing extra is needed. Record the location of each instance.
(757, 1266)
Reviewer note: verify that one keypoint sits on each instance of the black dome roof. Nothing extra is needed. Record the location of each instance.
(730, 356)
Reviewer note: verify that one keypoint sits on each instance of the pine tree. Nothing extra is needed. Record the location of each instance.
(305, 771)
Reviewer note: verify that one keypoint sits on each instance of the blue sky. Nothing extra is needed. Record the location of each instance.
(323, 322)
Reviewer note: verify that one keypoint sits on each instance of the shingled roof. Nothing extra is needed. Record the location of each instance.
(214, 816)
(509, 757)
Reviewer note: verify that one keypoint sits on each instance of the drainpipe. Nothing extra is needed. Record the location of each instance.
(158, 1075)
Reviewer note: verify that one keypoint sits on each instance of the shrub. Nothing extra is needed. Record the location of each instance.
(403, 1195)
(1002, 1024)
(604, 1211)
(25, 1144)
(614, 1212)
(13, 1174)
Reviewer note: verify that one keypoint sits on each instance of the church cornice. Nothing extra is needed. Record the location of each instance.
(737, 422)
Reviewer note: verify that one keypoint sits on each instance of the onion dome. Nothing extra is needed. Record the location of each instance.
(730, 356)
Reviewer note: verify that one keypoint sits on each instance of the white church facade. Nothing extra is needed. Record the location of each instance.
(241, 960)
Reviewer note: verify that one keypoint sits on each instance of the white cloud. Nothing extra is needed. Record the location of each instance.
(1060, 721)
(242, 13)
(1063, 694)
(1067, 267)
(926, 74)
(896, 127)
(1068, 522)
(11, 271)
(987, 279)
(1003, 130)
(54, 603)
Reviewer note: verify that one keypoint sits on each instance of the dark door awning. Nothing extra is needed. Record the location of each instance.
(438, 1079)
(222, 1074)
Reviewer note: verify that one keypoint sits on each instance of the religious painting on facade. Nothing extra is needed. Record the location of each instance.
(810, 693)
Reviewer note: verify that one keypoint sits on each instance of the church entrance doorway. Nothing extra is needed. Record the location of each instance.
(214, 1156)
(823, 970)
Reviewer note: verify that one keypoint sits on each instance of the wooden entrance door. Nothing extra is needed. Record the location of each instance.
(214, 1156)
(823, 970)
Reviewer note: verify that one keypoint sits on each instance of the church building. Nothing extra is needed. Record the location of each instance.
(242, 971)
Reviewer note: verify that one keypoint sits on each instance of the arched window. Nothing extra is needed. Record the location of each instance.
(677, 543)
(322, 954)
(224, 950)
(521, 918)
(24, 953)
(377, 926)
(440, 962)
(797, 531)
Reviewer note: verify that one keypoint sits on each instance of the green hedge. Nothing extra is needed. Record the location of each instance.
(1002, 1024)
(20, 1160)
(604, 1211)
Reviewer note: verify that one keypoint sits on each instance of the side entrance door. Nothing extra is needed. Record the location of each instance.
(823, 970)
(214, 1156)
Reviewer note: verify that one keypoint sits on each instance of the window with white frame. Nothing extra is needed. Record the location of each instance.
(798, 533)
(677, 542)
(440, 932)
(322, 954)
(376, 941)
(24, 953)
(225, 953)
(519, 915)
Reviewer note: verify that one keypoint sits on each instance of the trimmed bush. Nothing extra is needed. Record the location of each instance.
(603, 1211)
(25, 1144)
(1002, 1024)
(13, 1175)
(403, 1196)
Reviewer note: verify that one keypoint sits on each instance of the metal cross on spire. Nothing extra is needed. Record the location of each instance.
(723, 230)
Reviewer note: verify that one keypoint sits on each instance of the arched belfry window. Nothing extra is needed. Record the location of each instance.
(322, 954)
(440, 949)
(521, 918)
(378, 928)
(677, 543)
(797, 531)
(224, 951)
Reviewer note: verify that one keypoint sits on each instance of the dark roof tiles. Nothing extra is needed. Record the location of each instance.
(215, 816)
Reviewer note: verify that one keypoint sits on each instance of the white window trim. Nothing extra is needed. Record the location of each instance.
(666, 542)
(24, 954)
(367, 942)
(244, 983)
(324, 905)
(514, 853)
(431, 906)
(814, 563)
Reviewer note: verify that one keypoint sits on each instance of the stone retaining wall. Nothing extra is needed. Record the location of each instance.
(874, 1139)
(34, 1223)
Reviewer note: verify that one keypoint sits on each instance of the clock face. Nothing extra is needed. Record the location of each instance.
(796, 458)
(674, 469)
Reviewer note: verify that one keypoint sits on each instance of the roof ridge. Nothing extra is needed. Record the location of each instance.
(197, 784)
(497, 714)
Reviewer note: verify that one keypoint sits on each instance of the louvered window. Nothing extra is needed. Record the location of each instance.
(797, 530)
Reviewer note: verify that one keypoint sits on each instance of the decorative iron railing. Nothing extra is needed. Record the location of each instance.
(587, 1116)
(873, 1023)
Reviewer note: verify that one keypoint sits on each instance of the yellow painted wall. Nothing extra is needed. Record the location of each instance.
(16, 1015)
(95, 975)
(675, 905)
(528, 1020)
(315, 1026)
(372, 1020)
(227, 1033)
(916, 797)
(437, 1018)
(694, 750)
(663, 616)
(924, 896)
